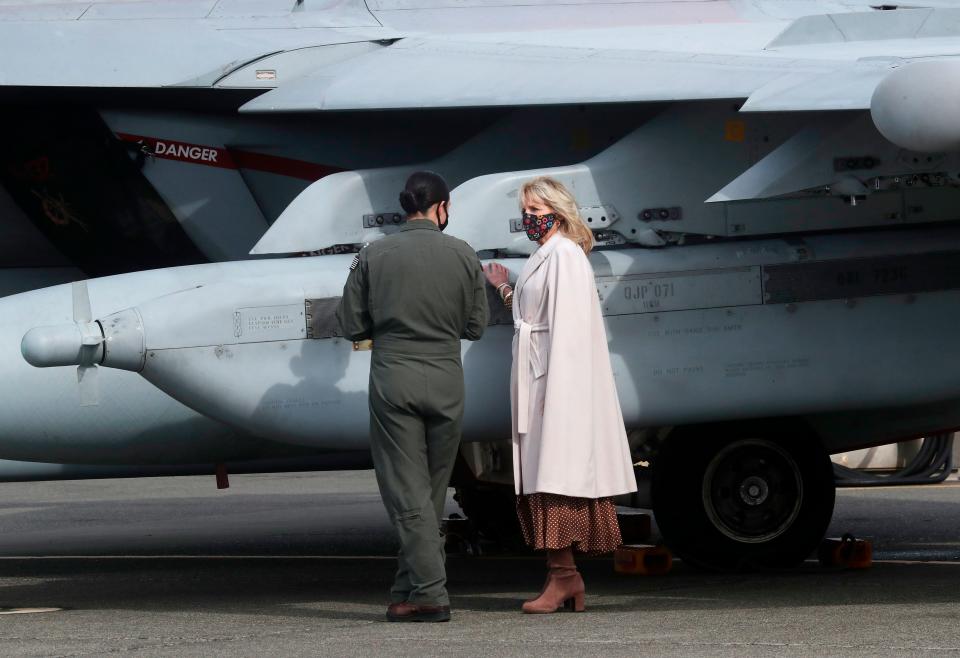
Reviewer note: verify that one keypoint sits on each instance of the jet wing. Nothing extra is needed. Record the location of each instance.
(824, 62)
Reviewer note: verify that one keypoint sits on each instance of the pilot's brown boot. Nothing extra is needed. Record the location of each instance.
(406, 611)
(564, 586)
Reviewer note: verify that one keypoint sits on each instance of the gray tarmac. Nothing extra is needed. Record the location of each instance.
(291, 565)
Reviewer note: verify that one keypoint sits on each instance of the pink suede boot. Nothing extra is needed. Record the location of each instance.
(564, 588)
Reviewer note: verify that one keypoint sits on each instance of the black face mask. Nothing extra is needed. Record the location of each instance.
(446, 222)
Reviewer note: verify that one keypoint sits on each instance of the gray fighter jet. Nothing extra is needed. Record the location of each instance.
(774, 185)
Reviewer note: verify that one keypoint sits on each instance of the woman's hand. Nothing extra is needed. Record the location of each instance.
(496, 274)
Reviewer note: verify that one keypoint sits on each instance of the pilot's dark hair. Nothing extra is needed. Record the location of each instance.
(423, 189)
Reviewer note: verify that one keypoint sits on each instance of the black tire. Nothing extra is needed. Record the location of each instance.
(752, 497)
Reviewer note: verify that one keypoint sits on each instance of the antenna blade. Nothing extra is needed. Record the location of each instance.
(89, 389)
(81, 302)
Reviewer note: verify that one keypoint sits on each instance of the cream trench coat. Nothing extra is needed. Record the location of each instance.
(568, 432)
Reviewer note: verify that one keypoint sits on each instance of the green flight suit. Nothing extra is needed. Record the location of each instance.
(415, 293)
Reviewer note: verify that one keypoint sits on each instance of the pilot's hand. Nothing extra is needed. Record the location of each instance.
(496, 274)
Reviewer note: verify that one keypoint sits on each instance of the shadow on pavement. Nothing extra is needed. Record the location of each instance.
(357, 588)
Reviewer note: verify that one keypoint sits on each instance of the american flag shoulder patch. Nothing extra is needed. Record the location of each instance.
(354, 262)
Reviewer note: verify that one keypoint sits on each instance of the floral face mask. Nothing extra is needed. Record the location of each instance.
(538, 226)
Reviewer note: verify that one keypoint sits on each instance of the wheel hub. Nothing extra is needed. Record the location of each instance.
(754, 491)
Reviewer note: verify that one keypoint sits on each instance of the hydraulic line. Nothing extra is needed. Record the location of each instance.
(932, 464)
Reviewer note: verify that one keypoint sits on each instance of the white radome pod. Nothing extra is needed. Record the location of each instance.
(55, 345)
(917, 106)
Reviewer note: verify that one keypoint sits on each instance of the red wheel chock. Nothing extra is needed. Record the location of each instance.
(642, 560)
(847, 552)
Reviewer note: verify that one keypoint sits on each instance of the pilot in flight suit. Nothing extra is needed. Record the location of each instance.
(416, 293)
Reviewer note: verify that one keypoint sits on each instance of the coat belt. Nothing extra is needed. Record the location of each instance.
(525, 331)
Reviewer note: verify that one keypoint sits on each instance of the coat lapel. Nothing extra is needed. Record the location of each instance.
(535, 261)
(533, 264)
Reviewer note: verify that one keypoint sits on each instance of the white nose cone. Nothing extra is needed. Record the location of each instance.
(917, 106)
(58, 345)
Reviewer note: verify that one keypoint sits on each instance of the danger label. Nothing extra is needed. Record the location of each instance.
(224, 158)
(182, 151)
(168, 149)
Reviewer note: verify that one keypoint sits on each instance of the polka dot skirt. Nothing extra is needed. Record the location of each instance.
(552, 521)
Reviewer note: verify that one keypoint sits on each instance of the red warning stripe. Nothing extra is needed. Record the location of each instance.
(225, 158)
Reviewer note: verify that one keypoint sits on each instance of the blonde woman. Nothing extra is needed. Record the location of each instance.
(570, 452)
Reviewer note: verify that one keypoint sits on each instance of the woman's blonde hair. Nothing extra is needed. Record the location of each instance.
(553, 193)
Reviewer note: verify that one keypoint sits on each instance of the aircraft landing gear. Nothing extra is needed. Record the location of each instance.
(755, 497)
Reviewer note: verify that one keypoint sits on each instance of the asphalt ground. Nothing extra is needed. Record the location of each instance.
(290, 565)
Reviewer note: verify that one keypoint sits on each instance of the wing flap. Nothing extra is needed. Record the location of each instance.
(843, 88)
